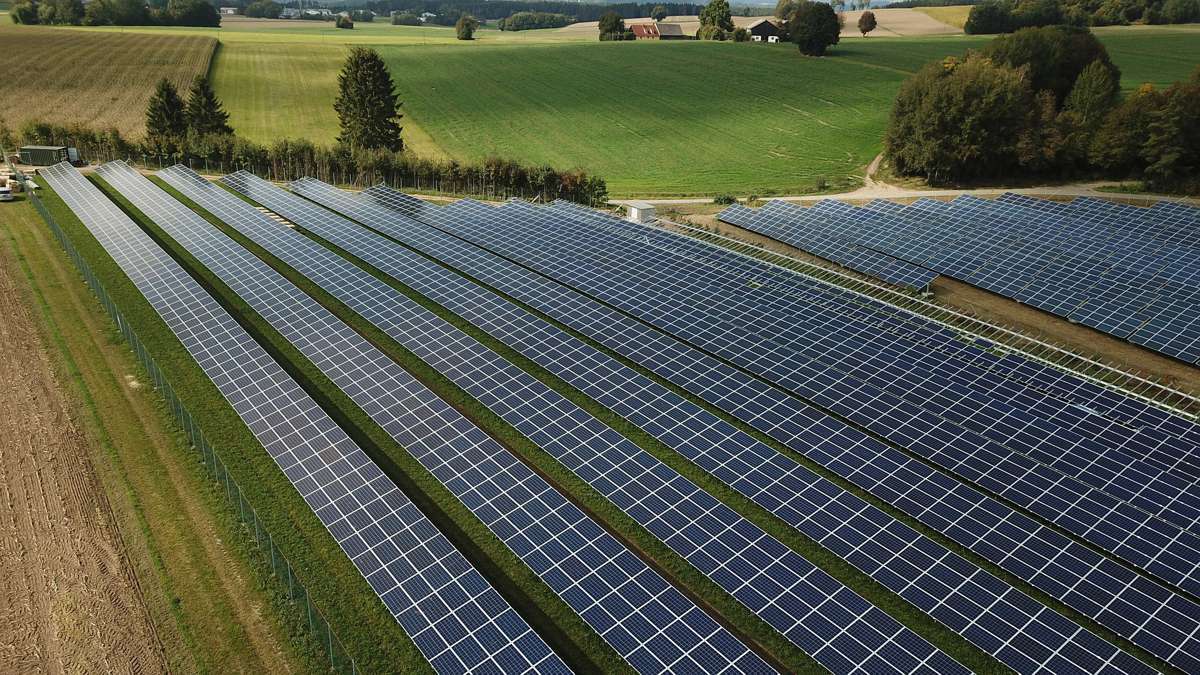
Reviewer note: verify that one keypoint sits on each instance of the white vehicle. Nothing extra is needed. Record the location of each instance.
(6, 194)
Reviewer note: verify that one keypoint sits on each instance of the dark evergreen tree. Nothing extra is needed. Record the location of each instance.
(204, 113)
(165, 121)
(367, 105)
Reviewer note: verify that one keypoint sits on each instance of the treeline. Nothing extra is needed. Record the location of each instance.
(1043, 103)
(117, 13)
(909, 4)
(448, 12)
(288, 160)
(1005, 16)
(533, 20)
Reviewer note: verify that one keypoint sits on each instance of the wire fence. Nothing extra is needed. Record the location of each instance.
(281, 569)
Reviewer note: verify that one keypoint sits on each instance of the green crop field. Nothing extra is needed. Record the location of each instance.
(653, 119)
(101, 79)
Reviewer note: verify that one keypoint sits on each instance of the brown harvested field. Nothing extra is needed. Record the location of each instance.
(1005, 312)
(69, 598)
(101, 79)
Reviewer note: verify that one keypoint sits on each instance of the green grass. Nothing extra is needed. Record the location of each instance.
(368, 631)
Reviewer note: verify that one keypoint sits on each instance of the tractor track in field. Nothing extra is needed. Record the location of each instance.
(69, 598)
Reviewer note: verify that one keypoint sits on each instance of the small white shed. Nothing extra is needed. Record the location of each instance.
(640, 212)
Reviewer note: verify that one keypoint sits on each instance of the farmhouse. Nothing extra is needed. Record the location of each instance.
(658, 31)
(764, 30)
(229, 10)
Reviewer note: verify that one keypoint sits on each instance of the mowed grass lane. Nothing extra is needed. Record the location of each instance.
(103, 80)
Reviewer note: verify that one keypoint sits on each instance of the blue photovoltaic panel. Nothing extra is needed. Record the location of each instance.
(966, 599)
(619, 275)
(1124, 270)
(1047, 560)
(643, 617)
(797, 598)
(457, 620)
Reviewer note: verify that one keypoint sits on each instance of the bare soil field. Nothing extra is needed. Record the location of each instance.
(69, 598)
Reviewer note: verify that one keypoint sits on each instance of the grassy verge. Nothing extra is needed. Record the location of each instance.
(195, 567)
(557, 623)
(370, 634)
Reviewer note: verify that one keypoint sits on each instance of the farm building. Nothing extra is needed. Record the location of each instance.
(658, 31)
(42, 155)
(229, 10)
(764, 30)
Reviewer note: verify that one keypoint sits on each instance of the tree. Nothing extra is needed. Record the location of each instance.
(866, 22)
(204, 113)
(741, 34)
(1172, 148)
(406, 19)
(264, 9)
(1116, 146)
(344, 21)
(165, 122)
(464, 28)
(367, 105)
(711, 32)
(1056, 55)
(612, 26)
(24, 12)
(658, 13)
(988, 18)
(957, 120)
(1181, 11)
(784, 9)
(1094, 94)
(814, 26)
(716, 13)
(193, 13)
(1034, 13)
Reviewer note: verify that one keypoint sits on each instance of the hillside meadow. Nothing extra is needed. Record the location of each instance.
(654, 119)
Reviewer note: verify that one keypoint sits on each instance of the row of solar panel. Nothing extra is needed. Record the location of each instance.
(1023, 635)
(1131, 272)
(493, 226)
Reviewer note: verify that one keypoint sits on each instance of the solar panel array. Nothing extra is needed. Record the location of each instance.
(646, 620)
(837, 627)
(841, 250)
(455, 617)
(1086, 495)
(1020, 545)
(1131, 272)
(965, 598)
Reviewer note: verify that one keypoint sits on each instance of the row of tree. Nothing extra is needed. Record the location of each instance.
(448, 11)
(1005, 16)
(535, 20)
(1043, 103)
(116, 13)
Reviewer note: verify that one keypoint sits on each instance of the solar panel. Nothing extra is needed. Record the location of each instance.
(457, 620)
(964, 597)
(1119, 269)
(1019, 544)
(837, 627)
(646, 620)
(1115, 526)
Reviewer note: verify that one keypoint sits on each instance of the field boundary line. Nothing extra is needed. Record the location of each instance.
(339, 659)
(996, 337)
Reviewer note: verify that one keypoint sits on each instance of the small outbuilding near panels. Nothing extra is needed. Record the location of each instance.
(42, 155)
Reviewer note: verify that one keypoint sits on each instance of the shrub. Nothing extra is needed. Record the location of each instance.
(464, 28)
(724, 200)
(741, 35)
(24, 12)
(711, 32)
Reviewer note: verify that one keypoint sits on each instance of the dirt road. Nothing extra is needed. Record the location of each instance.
(69, 600)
